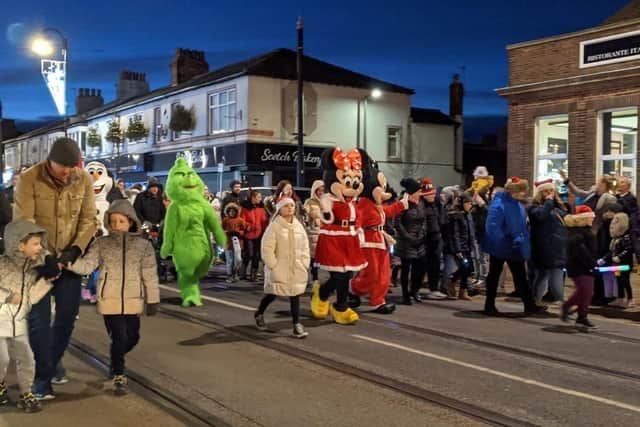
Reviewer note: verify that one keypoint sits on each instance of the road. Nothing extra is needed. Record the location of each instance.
(438, 363)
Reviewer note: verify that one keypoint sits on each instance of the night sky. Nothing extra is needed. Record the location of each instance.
(418, 44)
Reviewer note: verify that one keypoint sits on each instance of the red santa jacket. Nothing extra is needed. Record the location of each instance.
(372, 218)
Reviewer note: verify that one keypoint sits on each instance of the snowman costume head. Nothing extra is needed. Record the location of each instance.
(102, 184)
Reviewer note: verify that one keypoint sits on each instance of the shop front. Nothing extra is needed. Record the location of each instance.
(574, 101)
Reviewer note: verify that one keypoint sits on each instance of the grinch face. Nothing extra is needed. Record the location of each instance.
(183, 183)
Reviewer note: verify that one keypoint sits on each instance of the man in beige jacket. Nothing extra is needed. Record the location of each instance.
(57, 196)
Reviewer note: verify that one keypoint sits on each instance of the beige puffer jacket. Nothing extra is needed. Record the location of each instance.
(68, 214)
(314, 213)
(127, 263)
(18, 276)
(285, 253)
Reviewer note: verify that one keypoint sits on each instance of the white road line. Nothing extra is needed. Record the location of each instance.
(212, 299)
(502, 374)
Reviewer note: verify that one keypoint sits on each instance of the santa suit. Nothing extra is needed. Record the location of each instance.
(340, 238)
(374, 280)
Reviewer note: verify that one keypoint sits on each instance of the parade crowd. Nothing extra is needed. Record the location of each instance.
(451, 241)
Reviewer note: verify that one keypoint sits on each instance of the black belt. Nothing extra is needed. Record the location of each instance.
(375, 228)
(344, 223)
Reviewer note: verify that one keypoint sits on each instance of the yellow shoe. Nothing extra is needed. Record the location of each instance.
(347, 317)
(319, 308)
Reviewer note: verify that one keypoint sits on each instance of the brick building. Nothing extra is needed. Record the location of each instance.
(574, 101)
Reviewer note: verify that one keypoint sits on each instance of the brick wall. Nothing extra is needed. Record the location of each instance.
(557, 59)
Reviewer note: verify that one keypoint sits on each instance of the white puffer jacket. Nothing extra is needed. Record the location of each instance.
(19, 277)
(285, 253)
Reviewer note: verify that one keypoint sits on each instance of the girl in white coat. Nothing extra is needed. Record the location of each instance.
(285, 253)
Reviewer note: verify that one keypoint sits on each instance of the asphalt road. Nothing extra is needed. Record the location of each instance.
(382, 371)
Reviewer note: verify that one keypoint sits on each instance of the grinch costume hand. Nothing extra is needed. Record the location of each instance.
(187, 227)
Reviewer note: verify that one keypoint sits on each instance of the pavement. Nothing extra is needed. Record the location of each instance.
(86, 401)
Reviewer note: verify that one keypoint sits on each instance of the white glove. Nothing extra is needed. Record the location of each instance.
(405, 201)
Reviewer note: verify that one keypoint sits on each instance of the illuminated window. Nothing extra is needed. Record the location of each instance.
(618, 139)
(552, 144)
(222, 111)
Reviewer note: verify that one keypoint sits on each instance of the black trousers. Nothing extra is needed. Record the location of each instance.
(251, 253)
(417, 268)
(267, 299)
(338, 282)
(519, 274)
(432, 262)
(624, 284)
(124, 330)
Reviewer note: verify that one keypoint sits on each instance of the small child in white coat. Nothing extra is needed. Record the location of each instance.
(285, 253)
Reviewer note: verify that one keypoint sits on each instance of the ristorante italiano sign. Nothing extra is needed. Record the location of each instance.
(610, 49)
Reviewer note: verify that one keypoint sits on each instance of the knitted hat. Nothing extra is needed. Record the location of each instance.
(283, 201)
(450, 191)
(584, 211)
(427, 187)
(410, 185)
(615, 208)
(516, 184)
(544, 184)
(65, 151)
(480, 172)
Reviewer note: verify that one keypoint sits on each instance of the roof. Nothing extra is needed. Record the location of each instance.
(628, 12)
(433, 116)
(278, 64)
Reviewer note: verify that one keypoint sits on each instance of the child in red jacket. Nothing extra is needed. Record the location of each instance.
(235, 226)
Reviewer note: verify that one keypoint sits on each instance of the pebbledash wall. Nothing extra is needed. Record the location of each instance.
(574, 102)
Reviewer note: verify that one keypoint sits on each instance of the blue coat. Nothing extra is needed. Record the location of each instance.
(506, 230)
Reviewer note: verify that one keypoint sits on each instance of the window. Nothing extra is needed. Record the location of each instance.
(618, 139)
(157, 125)
(552, 144)
(393, 142)
(174, 135)
(222, 111)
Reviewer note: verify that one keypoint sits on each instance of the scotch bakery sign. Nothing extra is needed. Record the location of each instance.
(610, 49)
(282, 155)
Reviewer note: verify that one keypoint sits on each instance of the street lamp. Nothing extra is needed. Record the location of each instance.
(53, 71)
(375, 94)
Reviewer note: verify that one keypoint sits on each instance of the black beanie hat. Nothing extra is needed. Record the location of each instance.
(66, 152)
(410, 185)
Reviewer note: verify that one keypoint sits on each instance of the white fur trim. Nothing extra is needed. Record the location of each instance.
(342, 269)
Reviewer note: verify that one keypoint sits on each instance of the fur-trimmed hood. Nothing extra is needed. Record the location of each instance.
(619, 225)
(232, 205)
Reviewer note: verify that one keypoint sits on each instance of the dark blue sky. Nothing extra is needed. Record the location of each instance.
(418, 44)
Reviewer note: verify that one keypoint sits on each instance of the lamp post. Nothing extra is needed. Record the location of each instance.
(375, 94)
(53, 71)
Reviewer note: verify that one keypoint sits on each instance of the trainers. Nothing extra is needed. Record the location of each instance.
(229, 280)
(45, 396)
(60, 380)
(435, 295)
(299, 332)
(586, 323)
(29, 403)
(260, 324)
(120, 385)
(4, 397)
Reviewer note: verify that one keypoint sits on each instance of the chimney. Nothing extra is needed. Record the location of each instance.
(88, 99)
(131, 84)
(186, 65)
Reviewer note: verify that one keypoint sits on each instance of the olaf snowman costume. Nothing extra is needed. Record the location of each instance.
(102, 184)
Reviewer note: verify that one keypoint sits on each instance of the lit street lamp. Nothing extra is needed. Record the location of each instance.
(375, 94)
(53, 71)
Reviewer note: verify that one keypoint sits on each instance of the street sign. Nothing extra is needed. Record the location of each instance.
(54, 74)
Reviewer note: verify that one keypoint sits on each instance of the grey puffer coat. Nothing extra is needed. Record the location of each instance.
(20, 277)
(127, 263)
(411, 231)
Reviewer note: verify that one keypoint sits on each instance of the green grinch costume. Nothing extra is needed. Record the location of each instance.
(187, 227)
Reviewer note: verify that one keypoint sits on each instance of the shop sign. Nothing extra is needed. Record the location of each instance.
(283, 155)
(610, 49)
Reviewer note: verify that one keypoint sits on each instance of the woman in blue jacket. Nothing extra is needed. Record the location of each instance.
(507, 240)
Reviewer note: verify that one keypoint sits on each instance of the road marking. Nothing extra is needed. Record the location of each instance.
(212, 299)
(502, 374)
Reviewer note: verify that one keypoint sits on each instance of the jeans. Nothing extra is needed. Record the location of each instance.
(519, 279)
(230, 262)
(49, 341)
(124, 330)
(480, 262)
(548, 278)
